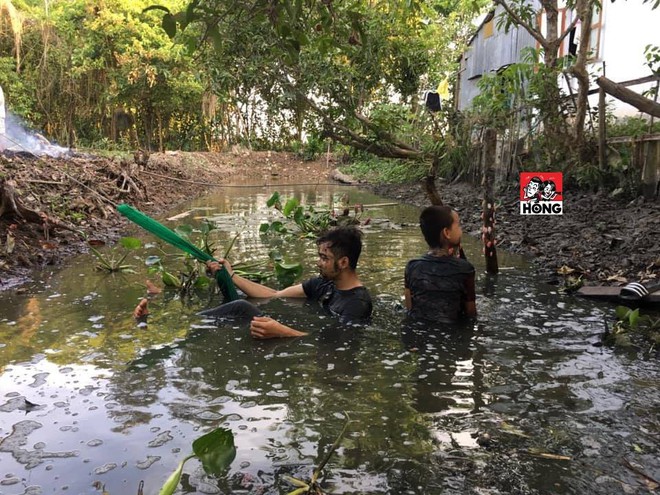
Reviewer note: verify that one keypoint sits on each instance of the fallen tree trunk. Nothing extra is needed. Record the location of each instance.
(628, 96)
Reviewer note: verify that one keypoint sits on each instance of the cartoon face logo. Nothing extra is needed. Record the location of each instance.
(549, 190)
(532, 188)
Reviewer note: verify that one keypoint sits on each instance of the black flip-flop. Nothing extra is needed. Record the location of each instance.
(636, 291)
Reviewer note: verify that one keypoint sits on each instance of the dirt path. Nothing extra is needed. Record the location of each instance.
(602, 239)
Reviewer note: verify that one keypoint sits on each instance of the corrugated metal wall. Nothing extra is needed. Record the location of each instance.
(487, 55)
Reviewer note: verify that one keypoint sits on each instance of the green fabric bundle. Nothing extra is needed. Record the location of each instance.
(171, 237)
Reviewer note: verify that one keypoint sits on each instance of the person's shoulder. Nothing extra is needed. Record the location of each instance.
(465, 265)
(313, 285)
(420, 259)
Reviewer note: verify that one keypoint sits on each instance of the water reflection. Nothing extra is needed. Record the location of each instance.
(120, 404)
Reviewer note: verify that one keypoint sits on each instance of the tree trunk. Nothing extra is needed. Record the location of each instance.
(584, 10)
(488, 214)
(429, 184)
(628, 96)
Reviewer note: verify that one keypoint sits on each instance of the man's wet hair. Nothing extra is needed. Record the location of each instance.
(343, 241)
(432, 221)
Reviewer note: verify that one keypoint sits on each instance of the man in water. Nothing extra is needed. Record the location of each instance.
(337, 288)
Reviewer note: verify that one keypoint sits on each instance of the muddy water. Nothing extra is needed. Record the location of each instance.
(524, 401)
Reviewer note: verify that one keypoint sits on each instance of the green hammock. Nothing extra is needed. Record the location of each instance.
(171, 237)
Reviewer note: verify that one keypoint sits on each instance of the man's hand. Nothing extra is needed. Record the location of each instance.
(263, 327)
(214, 266)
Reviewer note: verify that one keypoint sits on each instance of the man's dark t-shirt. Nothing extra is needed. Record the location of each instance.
(439, 287)
(352, 305)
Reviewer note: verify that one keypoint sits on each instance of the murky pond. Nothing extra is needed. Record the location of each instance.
(524, 401)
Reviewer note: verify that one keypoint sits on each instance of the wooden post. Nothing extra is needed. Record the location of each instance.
(602, 130)
(488, 213)
(649, 152)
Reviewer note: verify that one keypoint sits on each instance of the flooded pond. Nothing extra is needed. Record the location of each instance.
(524, 401)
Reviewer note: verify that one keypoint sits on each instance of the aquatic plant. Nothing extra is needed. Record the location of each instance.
(312, 485)
(631, 323)
(307, 221)
(215, 450)
(111, 264)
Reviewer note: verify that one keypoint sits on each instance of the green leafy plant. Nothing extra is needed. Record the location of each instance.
(631, 323)
(111, 264)
(215, 450)
(306, 221)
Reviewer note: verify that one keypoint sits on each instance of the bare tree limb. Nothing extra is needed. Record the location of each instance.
(536, 34)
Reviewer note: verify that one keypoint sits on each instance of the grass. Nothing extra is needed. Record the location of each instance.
(386, 171)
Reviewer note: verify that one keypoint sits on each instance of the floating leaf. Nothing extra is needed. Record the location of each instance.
(130, 242)
(290, 206)
(152, 260)
(170, 280)
(202, 281)
(216, 450)
(273, 200)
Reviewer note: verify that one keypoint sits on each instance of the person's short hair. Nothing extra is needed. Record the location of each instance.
(343, 241)
(432, 221)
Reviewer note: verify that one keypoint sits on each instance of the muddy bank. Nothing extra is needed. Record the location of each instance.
(603, 239)
(49, 206)
(606, 240)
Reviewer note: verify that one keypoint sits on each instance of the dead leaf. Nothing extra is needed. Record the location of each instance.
(96, 242)
(49, 245)
(565, 270)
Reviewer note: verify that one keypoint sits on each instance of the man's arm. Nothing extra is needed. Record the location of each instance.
(263, 327)
(254, 289)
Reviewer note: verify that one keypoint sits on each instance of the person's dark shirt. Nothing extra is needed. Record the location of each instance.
(439, 287)
(352, 305)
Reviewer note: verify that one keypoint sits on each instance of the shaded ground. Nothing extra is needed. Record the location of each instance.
(605, 240)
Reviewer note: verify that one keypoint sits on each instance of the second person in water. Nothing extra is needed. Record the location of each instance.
(439, 286)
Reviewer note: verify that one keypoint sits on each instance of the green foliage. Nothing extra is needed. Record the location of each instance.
(384, 171)
(112, 264)
(215, 450)
(632, 126)
(307, 222)
(632, 326)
